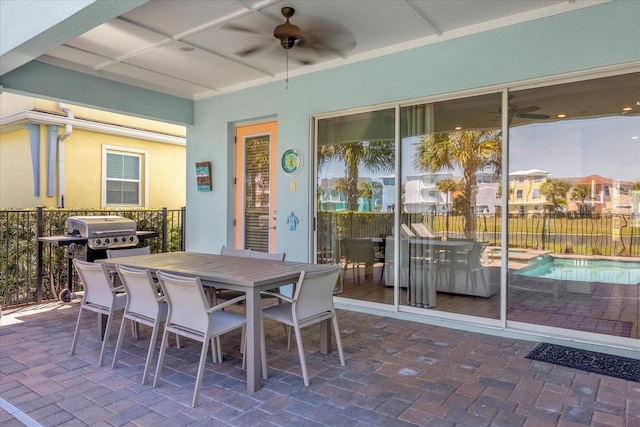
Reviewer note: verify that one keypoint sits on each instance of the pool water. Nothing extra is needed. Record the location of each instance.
(585, 270)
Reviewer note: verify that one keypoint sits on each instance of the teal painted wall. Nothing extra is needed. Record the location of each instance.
(590, 38)
(50, 82)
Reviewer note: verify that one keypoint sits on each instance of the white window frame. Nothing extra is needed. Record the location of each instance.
(143, 155)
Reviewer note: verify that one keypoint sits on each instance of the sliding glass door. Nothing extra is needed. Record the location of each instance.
(416, 204)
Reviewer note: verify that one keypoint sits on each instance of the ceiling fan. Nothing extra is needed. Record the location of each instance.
(524, 113)
(320, 37)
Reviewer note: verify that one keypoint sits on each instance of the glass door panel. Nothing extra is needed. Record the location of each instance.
(574, 206)
(451, 169)
(355, 191)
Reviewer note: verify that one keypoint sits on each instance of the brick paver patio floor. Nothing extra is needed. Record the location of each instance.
(398, 373)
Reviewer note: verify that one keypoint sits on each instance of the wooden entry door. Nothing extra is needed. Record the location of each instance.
(256, 167)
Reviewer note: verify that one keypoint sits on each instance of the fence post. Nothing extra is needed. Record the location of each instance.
(164, 229)
(184, 227)
(39, 255)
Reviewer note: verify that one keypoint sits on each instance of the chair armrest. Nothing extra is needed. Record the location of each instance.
(278, 295)
(226, 304)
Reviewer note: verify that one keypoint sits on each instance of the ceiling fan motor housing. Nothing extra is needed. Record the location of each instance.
(287, 33)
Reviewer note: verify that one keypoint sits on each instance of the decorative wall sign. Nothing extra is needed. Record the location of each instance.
(203, 176)
(292, 161)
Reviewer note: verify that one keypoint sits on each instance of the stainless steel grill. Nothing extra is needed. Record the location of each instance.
(104, 232)
(89, 237)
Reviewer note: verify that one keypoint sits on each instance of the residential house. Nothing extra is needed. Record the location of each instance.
(524, 192)
(61, 155)
(605, 195)
(423, 196)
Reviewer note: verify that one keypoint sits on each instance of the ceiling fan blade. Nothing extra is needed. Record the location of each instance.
(234, 27)
(302, 61)
(532, 116)
(526, 110)
(252, 50)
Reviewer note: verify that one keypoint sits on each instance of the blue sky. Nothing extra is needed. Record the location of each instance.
(603, 146)
(607, 146)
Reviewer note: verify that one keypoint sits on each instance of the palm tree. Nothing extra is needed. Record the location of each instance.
(365, 190)
(378, 189)
(581, 193)
(375, 156)
(341, 187)
(471, 151)
(447, 186)
(555, 190)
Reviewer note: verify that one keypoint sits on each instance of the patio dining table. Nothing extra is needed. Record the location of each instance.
(249, 275)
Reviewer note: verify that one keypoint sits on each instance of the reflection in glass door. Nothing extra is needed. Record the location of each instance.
(355, 200)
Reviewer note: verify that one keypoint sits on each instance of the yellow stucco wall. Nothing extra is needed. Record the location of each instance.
(84, 154)
(16, 174)
(165, 163)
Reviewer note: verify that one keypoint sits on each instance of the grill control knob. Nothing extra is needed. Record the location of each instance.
(106, 241)
(131, 238)
(115, 240)
(97, 241)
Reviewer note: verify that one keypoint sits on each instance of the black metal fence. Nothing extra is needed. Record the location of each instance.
(24, 280)
(611, 235)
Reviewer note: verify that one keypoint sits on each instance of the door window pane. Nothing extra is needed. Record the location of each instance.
(256, 179)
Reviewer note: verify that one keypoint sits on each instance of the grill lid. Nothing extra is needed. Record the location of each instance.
(100, 226)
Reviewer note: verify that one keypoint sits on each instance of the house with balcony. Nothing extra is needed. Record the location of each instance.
(602, 196)
(525, 197)
(422, 194)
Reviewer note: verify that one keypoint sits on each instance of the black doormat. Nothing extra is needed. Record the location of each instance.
(625, 368)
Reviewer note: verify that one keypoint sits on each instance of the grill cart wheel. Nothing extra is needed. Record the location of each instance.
(65, 295)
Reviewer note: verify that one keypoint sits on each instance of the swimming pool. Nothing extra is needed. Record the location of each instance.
(585, 270)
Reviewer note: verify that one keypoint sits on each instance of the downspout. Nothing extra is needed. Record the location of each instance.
(61, 157)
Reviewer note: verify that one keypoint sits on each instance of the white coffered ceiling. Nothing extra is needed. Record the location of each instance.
(195, 49)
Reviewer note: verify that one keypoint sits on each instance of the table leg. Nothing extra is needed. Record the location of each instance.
(252, 350)
(325, 337)
(102, 325)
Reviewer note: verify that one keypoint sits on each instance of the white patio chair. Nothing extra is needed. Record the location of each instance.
(191, 316)
(359, 251)
(312, 303)
(471, 265)
(422, 230)
(144, 305)
(119, 253)
(99, 296)
(235, 252)
(276, 256)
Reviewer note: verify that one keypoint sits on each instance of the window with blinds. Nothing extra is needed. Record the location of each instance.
(123, 179)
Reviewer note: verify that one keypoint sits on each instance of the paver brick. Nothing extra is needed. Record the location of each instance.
(398, 373)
